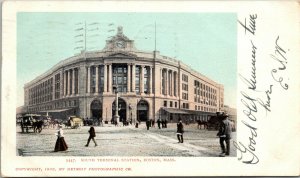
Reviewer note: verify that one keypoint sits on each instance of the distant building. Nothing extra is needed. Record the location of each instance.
(150, 86)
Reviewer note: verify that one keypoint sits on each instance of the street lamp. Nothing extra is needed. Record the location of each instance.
(116, 116)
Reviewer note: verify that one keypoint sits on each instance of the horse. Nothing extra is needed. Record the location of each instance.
(38, 126)
(200, 123)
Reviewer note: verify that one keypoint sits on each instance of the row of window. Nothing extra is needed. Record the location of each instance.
(41, 93)
(57, 105)
(119, 77)
(197, 99)
(207, 88)
(185, 96)
(205, 109)
(185, 105)
(170, 104)
(199, 92)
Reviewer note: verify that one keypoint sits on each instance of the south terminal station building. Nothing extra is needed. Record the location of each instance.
(149, 85)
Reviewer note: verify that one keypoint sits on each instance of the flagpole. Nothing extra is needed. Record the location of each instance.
(155, 37)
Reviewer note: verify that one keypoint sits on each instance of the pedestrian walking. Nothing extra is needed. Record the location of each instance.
(148, 124)
(92, 136)
(180, 131)
(60, 144)
(158, 123)
(225, 134)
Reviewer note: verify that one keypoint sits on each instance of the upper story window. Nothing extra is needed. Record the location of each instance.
(185, 78)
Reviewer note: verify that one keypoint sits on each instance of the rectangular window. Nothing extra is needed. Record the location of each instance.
(114, 80)
(120, 71)
(124, 80)
(120, 80)
(175, 104)
(171, 104)
(165, 103)
(137, 79)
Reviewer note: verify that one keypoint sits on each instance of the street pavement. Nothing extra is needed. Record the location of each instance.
(124, 141)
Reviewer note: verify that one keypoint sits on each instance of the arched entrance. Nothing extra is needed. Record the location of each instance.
(96, 109)
(122, 109)
(142, 111)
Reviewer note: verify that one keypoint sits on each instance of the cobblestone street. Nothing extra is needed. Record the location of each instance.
(124, 141)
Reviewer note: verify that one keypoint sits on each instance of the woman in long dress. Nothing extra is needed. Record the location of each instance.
(60, 144)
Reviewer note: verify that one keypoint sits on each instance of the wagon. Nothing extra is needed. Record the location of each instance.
(74, 122)
(32, 122)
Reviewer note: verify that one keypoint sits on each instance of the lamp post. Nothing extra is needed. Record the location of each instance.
(116, 116)
(130, 109)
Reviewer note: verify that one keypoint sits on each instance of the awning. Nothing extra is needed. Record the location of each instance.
(175, 111)
(57, 110)
(203, 113)
(182, 111)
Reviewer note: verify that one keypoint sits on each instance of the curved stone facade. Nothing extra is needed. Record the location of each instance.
(146, 82)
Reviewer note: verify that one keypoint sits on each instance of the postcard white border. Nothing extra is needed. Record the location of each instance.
(277, 143)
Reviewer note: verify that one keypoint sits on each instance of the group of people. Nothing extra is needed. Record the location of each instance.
(224, 135)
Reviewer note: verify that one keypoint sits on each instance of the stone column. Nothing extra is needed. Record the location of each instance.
(175, 84)
(61, 92)
(78, 70)
(160, 80)
(105, 78)
(65, 82)
(128, 78)
(97, 79)
(171, 84)
(142, 80)
(167, 82)
(73, 82)
(110, 78)
(133, 79)
(150, 80)
(69, 82)
(88, 79)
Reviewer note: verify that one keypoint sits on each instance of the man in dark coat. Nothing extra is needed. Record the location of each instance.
(92, 136)
(158, 123)
(225, 134)
(180, 131)
(148, 124)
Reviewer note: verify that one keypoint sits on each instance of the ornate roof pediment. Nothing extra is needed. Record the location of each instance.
(121, 54)
(119, 42)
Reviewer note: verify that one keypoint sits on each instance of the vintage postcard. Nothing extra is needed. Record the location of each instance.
(150, 88)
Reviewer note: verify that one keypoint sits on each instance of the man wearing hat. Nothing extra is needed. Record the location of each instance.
(224, 134)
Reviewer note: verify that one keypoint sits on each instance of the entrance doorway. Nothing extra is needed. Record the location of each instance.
(142, 111)
(122, 109)
(96, 109)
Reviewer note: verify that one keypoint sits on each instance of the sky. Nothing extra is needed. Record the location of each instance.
(205, 41)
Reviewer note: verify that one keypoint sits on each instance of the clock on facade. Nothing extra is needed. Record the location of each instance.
(120, 44)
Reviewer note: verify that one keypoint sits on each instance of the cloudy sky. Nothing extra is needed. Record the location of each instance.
(205, 41)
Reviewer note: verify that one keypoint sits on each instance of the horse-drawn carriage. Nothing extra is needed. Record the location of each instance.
(32, 122)
(74, 122)
(214, 121)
